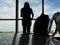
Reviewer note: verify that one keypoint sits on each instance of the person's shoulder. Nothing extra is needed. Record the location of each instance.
(30, 8)
(22, 8)
(46, 16)
(38, 18)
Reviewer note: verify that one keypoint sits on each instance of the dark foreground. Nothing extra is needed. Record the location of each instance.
(19, 39)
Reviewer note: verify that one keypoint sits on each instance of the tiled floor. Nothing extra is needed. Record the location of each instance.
(18, 39)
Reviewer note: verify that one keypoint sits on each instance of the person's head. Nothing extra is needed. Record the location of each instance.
(57, 13)
(26, 5)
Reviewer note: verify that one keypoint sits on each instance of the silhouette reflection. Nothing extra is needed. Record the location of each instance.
(14, 39)
(24, 39)
(39, 40)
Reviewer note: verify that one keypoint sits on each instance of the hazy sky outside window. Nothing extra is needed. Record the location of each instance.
(6, 26)
(7, 11)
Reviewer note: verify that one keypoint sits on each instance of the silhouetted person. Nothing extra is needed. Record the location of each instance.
(26, 13)
(41, 25)
(56, 18)
(40, 30)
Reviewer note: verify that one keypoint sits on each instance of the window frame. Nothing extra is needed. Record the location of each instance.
(16, 18)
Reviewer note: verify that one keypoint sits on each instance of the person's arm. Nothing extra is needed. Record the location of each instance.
(21, 13)
(32, 14)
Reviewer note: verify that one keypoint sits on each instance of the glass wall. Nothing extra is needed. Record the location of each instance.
(7, 26)
(7, 9)
(36, 6)
(51, 7)
(21, 28)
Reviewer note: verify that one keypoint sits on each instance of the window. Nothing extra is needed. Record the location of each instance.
(51, 7)
(7, 15)
(10, 12)
(20, 29)
(37, 11)
(7, 9)
(36, 6)
(7, 25)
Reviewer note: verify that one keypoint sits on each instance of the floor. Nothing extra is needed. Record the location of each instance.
(26, 39)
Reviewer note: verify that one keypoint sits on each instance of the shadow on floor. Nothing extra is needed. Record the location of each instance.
(35, 40)
(24, 39)
(39, 40)
(58, 38)
(30, 39)
(14, 39)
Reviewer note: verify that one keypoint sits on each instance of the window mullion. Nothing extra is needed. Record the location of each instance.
(16, 16)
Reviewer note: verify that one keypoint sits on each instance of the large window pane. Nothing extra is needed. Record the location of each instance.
(51, 7)
(34, 4)
(21, 28)
(7, 26)
(7, 9)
